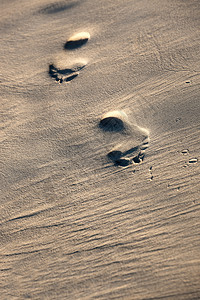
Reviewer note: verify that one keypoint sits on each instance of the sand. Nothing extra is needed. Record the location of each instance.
(92, 209)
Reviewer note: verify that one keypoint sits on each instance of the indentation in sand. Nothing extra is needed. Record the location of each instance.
(61, 71)
(127, 141)
(114, 121)
(193, 161)
(185, 151)
(77, 40)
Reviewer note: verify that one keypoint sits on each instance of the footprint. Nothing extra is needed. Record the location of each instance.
(193, 161)
(63, 73)
(77, 40)
(125, 142)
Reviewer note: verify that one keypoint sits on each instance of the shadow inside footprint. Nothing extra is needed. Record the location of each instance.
(70, 45)
(123, 162)
(112, 124)
(61, 75)
(114, 155)
(137, 159)
(77, 41)
(119, 158)
(71, 77)
(130, 151)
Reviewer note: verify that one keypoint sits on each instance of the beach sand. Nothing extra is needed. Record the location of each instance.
(100, 126)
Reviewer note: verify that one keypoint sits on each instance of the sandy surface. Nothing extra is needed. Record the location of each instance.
(81, 217)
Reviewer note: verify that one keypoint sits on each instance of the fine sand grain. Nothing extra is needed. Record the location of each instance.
(100, 153)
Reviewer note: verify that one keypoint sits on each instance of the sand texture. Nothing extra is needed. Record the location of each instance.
(100, 149)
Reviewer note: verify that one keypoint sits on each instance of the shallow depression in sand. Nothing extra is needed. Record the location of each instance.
(114, 121)
(64, 71)
(125, 142)
(193, 161)
(77, 40)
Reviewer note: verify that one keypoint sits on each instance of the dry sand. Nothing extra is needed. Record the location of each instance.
(94, 209)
